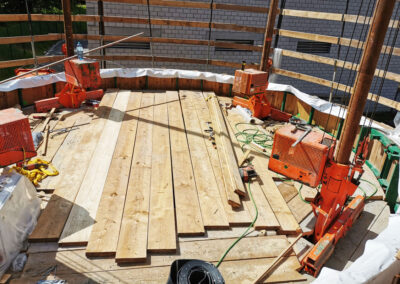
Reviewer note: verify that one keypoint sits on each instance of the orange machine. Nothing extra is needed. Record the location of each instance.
(307, 156)
(253, 83)
(305, 161)
(83, 82)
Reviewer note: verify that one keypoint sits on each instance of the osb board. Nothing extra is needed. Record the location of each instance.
(154, 83)
(8, 99)
(220, 89)
(137, 83)
(275, 98)
(295, 106)
(328, 122)
(30, 95)
(189, 84)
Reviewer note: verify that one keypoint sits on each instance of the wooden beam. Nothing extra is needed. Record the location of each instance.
(162, 232)
(372, 97)
(132, 242)
(82, 217)
(187, 4)
(77, 149)
(331, 16)
(269, 31)
(236, 216)
(188, 214)
(104, 236)
(332, 39)
(207, 189)
(339, 63)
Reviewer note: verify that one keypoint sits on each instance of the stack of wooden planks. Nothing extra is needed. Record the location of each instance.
(142, 174)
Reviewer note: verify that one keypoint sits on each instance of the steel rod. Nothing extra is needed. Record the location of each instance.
(376, 36)
(71, 57)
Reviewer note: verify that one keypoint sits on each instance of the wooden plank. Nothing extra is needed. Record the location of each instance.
(288, 190)
(299, 208)
(162, 233)
(57, 138)
(132, 242)
(332, 39)
(236, 216)
(187, 207)
(226, 143)
(74, 261)
(238, 271)
(207, 189)
(339, 63)
(77, 149)
(23, 39)
(288, 223)
(331, 16)
(323, 82)
(81, 219)
(266, 218)
(104, 236)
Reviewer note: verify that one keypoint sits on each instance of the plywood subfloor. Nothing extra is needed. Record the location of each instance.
(168, 167)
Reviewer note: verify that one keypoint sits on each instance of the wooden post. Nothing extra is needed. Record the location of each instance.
(66, 5)
(100, 11)
(376, 35)
(269, 32)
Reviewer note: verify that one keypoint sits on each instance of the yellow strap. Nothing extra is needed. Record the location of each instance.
(37, 175)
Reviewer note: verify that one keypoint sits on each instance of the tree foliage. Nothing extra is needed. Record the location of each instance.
(35, 6)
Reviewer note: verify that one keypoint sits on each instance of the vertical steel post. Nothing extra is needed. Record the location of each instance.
(66, 5)
(269, 32)
(376, 35)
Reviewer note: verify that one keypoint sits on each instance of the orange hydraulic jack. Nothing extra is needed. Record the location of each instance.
(311, 156)
(253, 83)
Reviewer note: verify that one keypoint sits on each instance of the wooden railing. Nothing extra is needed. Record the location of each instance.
(214, 25)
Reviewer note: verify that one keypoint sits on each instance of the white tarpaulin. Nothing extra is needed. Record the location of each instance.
(315, 102)
(19, 209)
(378, 264)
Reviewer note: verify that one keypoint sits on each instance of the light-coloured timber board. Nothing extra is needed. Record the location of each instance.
(288, 223)
(78, 227)
(299, 208)
(236, 216)
(132, 242)
(230, 185)
(227, 145)
(104, 236)
(75, 261)
(207, 189)
(162, 233)
(288, 190)
(57, 138)
(187, 208)
(308, 193)
(238, 271)
(72, 160)
(266, 218)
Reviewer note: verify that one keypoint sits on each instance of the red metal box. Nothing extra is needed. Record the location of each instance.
(306, 161)
(16, 142)
(250, 82)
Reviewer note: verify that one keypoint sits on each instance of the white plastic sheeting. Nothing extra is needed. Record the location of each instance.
(378, 264)
(315, 102)
(19, 209)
